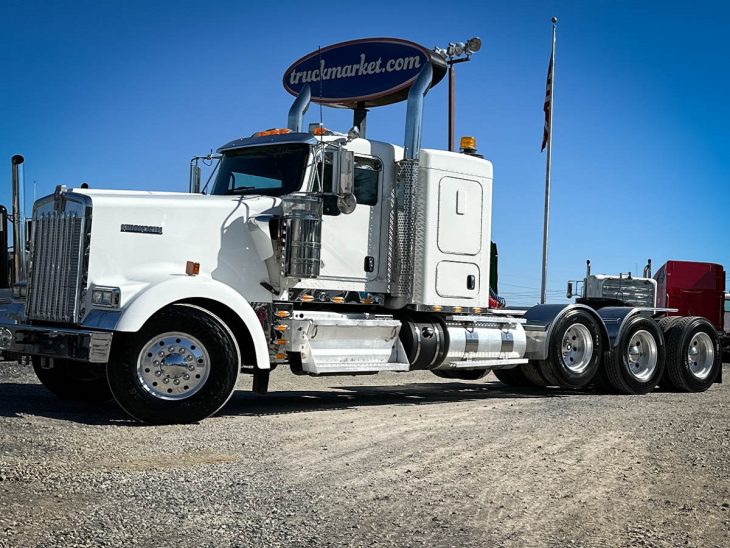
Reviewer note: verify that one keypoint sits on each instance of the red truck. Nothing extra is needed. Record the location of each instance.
(695, 289)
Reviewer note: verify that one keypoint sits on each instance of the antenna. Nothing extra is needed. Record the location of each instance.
(321, 125)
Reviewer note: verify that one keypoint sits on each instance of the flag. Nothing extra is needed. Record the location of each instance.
(547, 107)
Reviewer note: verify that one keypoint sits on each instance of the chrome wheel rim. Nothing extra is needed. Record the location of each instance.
(701, 355)
(642, 355)
(173, 366)
(577, 348)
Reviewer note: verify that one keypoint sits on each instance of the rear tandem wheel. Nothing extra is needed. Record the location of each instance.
(693, 356)
(574, 352)
(637, 361)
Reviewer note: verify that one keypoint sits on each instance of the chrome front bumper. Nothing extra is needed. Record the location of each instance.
(65, 343)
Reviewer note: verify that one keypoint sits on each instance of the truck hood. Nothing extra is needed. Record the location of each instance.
(139, 238)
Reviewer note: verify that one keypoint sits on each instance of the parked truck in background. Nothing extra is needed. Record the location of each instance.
(684, 288)
(726, 331)
(327, 253)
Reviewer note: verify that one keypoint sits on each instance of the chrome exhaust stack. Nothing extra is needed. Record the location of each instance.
(298, 109)
(19, 267)
(414, 112)
(194, 176)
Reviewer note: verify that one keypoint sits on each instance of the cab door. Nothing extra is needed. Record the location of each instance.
(351, 243)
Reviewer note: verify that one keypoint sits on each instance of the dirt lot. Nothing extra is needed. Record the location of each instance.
(386, 460)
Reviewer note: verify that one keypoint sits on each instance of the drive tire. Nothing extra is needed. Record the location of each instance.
(513, 377)
(665, 324)
(464, 375)
(204, 383)
(533, 373)
(692, 372)
(575, 350)
(636, 363)
(73, 381)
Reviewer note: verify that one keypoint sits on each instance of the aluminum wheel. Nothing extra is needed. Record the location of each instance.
(701, 355)
(642, 355)
(173, 366)
(577, 348)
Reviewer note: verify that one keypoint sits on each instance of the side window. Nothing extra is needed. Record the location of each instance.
(367, 178)
(367, 175)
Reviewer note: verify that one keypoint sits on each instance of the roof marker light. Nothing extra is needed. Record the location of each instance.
(272, 131)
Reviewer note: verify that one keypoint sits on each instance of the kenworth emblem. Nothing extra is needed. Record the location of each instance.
(142, 229)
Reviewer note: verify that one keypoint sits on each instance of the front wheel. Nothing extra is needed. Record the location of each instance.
(70, 380)
(181, 367)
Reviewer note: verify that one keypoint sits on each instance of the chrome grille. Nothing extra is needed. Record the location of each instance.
(57, 263)
(631, 292)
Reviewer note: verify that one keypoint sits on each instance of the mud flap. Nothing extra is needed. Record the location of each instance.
(261, 380)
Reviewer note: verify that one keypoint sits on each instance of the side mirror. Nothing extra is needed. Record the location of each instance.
(569, 292)
(343, 180)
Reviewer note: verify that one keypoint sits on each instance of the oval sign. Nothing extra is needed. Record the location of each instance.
(368, 72)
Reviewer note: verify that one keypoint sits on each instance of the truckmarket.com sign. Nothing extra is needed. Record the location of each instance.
(375, 70)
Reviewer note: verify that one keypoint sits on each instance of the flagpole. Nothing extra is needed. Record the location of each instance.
(543, 286)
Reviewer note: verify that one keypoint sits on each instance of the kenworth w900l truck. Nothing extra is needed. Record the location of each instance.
(327, 253)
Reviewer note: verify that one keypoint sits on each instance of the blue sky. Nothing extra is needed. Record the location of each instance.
(122, 94)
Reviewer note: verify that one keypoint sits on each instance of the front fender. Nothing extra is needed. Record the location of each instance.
(157, 296)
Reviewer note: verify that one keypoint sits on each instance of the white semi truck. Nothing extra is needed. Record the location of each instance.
(322, 252)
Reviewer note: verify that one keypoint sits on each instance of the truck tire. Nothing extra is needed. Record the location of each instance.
(574, 350)
(181, 367)
(533, 373)
(513, 377)
(463, 375)
(71, 380)
(693, 356)
(665, 324)
(636, 363)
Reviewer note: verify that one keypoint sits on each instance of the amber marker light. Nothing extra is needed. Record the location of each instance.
(272, 131)
(192, 269)
(468, 143)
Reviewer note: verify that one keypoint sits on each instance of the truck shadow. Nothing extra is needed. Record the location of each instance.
(19, 399)
(245, 403)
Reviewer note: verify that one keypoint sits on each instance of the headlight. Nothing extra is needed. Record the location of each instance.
(105, 297)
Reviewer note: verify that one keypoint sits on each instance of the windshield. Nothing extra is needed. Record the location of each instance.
(270, 170)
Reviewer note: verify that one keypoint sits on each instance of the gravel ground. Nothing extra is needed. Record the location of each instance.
(405, 460)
